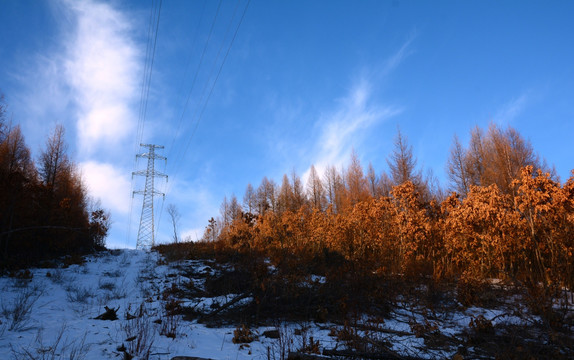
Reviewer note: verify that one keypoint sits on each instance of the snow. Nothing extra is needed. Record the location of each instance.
(64, 304)
(52, 315)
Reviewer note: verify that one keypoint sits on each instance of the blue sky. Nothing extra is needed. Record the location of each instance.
(303, 83)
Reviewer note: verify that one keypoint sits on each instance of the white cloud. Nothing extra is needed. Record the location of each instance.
(101, 68)
(511, 110)
(109, 184)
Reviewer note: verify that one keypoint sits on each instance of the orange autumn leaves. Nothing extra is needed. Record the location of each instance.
(524, 232)
(487, 234)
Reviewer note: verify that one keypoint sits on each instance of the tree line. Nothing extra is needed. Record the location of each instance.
(505, 214)
(45, 211)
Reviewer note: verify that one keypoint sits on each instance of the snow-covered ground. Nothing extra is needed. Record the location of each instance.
(57, 310)
(51, 314)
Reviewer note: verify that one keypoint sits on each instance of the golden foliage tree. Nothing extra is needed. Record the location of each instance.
(505, 221)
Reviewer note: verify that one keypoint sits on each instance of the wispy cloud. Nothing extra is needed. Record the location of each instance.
(345, 127)
(509, 111)
(400, 55)
(42, 98)
(101, 67)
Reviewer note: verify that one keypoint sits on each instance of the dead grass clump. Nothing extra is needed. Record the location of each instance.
(172, 307)
(78, 294)
(18, 311)
(542, 300)
(233, 281)
(472, 291)
(481, 325)
(21, 275)
(185, 251)
(243, 335)
(424, 329)
(139, 333)
(362, 338)
(59, 348)
(169, 326)
(74, 259)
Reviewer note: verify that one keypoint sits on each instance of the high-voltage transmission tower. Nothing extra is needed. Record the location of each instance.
(146, 230)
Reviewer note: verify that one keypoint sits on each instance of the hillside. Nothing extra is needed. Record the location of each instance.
(201, 307)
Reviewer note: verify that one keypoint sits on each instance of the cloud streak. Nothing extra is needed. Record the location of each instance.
(347, 125)
(397, 58)
(509, 111)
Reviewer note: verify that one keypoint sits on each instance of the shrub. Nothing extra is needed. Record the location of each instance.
(242, 335)
(18, 311)
(139, 333)
(78, 294)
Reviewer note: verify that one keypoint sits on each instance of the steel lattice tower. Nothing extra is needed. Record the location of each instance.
(146, 230)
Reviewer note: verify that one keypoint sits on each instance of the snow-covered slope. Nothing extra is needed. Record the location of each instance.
(52, 315)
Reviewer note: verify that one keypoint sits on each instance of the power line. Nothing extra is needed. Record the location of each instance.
(180, 89)
(153, 28)
(180, 158)
(155, 14)
(151, 70)
(197, 116)
(196, 74)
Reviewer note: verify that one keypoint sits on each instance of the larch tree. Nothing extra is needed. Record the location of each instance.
(174, 216)
(65, 198)
(508, 154)
(402, 163)
(335, 189)
(249, 199)
(373, 182)
(356, 182)
(330, 179)
(17, 182)
(285, 199)
(385, 185)
(44, 206)
(2, 118)
(15, 159)
(456, 168)
(497, 157)
(54, 159)
(230, 210)
(299, 198)
(266, 196)
(315, 190)
(475, 157)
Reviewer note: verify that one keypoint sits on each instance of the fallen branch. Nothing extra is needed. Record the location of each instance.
(109, 314)
(226, 306)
